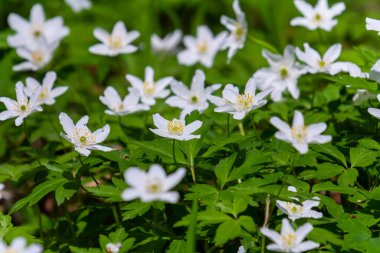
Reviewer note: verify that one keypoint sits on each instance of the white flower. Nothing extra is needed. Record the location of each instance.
(325, 64)
(36, 57)
(241, 250)
(45, 92)
(2, 186)
(195, 98)
(79, 5)
(321, 16)
(281, 75)
(113, 247)
(168, 44)
(300, 135)
(29, 33)
(240, 104)
(295, 211)
(149, 89)
(374, 111)
(130, 104)
(82, 138)
(374, 73)
(118, 42)
(290, 240)
(238, 31)
(19, 245)
(202, 48)
(21, 108)
(152, 185)
(362, 95)
(373, 25)
(175, 128)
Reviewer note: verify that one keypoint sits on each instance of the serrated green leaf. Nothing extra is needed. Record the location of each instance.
(362, 157)
(228, 230)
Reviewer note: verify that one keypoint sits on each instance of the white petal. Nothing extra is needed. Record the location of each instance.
(159, 121)
(129, 194)
(298, 119)
(332, 53)
(303, 231)
(174, 179)
(67, 123)
(192, 127)
(102, 133)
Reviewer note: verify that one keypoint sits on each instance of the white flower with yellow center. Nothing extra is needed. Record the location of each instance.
(152, 185)
(281, 75)
(195, 98)
(175, 129)
(320, 16)
(296, 211)
(148, 89)
(19, 245)
(116, 106)
(327, 63)
(81, 137)
(240, 104)
(113, 247)
(202, 48)
(299, 135)
(46, 93)
(168, 44)
(36, 57)
(79, 5)
(290, 240)
(238, 31)
(29, 33)
(118, 42)
(20, 108)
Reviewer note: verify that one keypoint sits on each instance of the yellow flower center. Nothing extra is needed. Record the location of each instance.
(283, 73)
(202, 47)
(318, 17)
(321, 64)
(238, 32)
(175, 127)
(43, 94)
(149, 88)
(194, 99)
(37, 56)
(293, 208)
(115, 41)
(153, 186)
(83, 137)
(289, 240)
(244, 101)
(299, 133)
(23, 108)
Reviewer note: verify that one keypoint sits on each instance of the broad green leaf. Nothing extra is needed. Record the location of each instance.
(332, 151)
(223, 169)
(228, 230)
(177, 246)
(348, 177)
(362, 157)
(329, 186)
(247, 223)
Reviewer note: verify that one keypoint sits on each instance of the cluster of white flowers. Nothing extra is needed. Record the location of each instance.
(36, 39)
(19, 244)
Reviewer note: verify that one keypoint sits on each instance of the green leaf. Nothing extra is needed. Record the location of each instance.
(247, 223)
(348, 177)
(329, 170)
(65, 191)
(329, 186)
(177, 246)
(223, 169)
(228, 230)
(362, 157)
(332, 151)
(212, 217)
(134, 209)
(109, 192)
(38, 193)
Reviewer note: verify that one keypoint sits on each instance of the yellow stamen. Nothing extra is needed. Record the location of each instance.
(244, 101)
(115, 41)
(202, 47)
(176, 127)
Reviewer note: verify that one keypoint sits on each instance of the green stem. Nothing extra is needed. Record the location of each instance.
(70, 222)
(40, 222)
(192, 168)
(175, 161)
(263, 44)
(30, 143)
(320, 35)
(116, 214)
(228, 125)
(241, 128)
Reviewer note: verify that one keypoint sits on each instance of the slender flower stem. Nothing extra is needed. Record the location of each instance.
(263, 44)
(192, 168)
(92, 176)
(70, 222)
(241, 128)
(228, 125)
(116, 214)
(175, 161)
(266, 221)
(30, 143)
